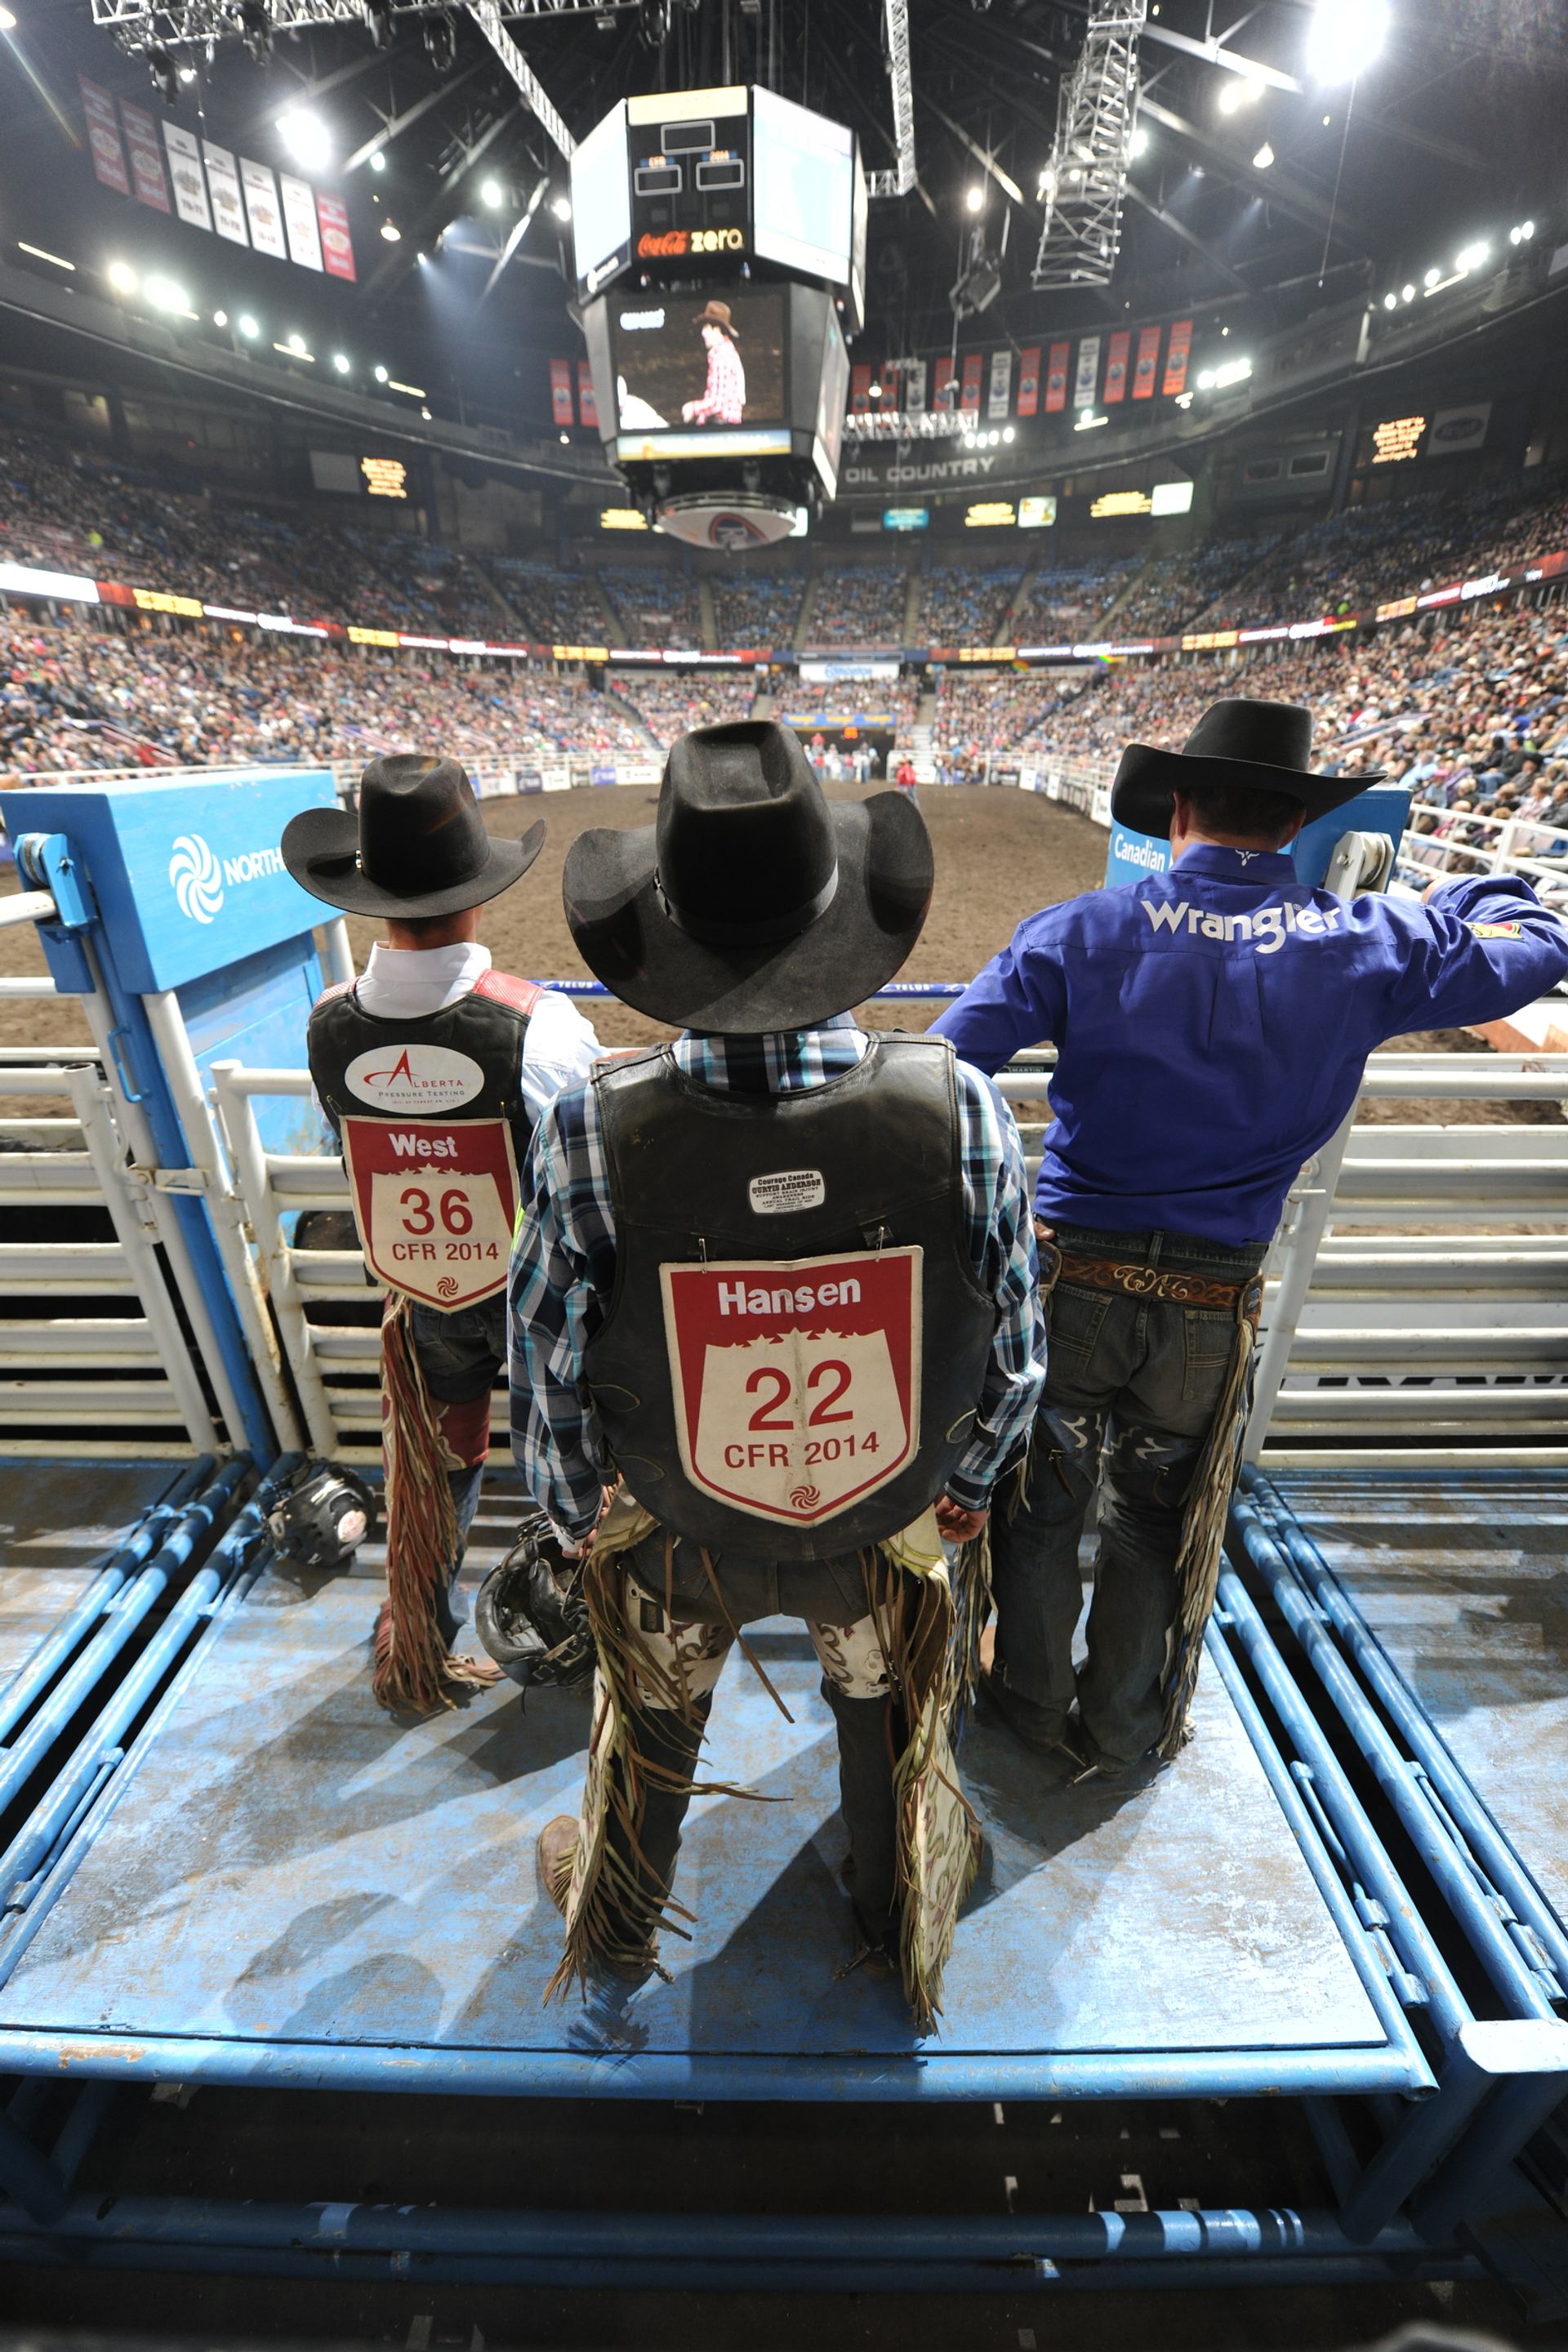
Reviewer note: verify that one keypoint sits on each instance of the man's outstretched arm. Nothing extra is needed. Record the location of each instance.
(1016, 1002)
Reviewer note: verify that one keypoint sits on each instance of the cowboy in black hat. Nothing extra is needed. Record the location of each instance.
(433, 1068)
(1211, 1024)
(778, 1277)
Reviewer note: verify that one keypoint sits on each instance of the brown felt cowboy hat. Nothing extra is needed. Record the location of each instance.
(717, 314)
(1263, 745)
(418, 846)
(752, 903)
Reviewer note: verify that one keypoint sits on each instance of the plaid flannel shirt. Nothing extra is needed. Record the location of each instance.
(563, 1264)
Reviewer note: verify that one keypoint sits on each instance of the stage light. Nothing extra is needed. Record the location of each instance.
(975, 199)
(1264, 158)
(873, 392)
(249, 327)
(1206, 380)
(1391, 301)
(491, 193)
(220, 317)
(415, 391)
(165, 76)
(1522, 233)
(378, 162)
(566, 436)
(1344, 38)
(297, 345)
(187, 73)
(562, 207)
(7, 22)
(1471, 256)
(1432, 279)
(42, 253)
(295, 349)
(424, 412)
(1008, 434)
(1087, 423)
(164, 295)
(1407, 293)
(340, 362)
(1140, 142)
(305, 136)
(381, 375)
(392, 233)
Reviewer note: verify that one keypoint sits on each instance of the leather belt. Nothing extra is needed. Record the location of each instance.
(1131, 1279)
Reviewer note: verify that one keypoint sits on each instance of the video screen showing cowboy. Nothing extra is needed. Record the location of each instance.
(433, 1068)
(1211, 1024)
(700, 359)
(777, 1279)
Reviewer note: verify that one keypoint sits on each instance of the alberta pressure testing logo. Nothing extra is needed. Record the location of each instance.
(197, 879)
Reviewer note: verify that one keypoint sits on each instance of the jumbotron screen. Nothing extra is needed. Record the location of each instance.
(695, 361)
(803, 196)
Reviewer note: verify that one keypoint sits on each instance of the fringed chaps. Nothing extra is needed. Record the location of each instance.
(414, 1672)
(1203, 1524)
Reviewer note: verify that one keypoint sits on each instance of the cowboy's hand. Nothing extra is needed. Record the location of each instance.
(955, 1524)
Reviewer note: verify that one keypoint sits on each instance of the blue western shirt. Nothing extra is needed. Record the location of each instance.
(1211, 1024)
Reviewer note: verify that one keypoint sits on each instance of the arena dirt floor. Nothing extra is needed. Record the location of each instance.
(999, 856)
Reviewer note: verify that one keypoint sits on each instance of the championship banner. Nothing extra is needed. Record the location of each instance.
(435, 1205)
(337, 245)
(1056, 377)
(969, 398)
(999, 394)
(860, 388)
(262, 209)
(300, 221)
(1116, 367)
(1147, 361)
(190, 180)
(945, 384)
(914, 378)
(1176, 352)
(223, 186)
(587, 404)
(560, 392)
(797, 1382)
(1029, 380)
(147, 181)
(1088, 371)
(103, 137)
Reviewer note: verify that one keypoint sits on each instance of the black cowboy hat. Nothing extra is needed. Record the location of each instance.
(752, 903)
(1263, 745)
(416, 847)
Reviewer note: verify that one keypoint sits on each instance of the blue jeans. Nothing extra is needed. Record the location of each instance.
(459, 1355)
(1132, 1388)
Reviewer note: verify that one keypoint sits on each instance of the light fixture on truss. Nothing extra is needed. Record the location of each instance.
(1083, 183)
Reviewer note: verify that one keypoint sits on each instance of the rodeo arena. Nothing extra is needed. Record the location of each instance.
(784, 1174)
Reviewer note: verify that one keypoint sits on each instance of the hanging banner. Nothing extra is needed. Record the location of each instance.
(1029, 380)
(588, 405)
(190, 181)
(560, 392)
(300, 221)
(223, 187)
(999, 397)
(860, 389)
(1056, 377)
(1176, 351)
(1147, 363)
(1116, 367)
(103, 137)
(1088, 371)
(1455, 430)
(147, 181)
(969, 398)
(261, 208)
(337, 245)
(914, 378)
(945, 395)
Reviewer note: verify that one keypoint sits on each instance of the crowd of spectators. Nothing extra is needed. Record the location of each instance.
(965, 603)
(1172, 590)
(654, 606)
(555, 608)
(1074, 597)
(990, 716)
(756, 611)
(669, 706)
(1394, 547)
(858, 604)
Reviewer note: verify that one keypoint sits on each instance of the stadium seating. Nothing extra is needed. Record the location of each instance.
(964, 604)
(1072, 600)
(858, 604)
(755, 610)
(654, 604)
(669, 707)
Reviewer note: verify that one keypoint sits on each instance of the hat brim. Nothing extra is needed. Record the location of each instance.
(627, 938)
(1149, 776)
(321, 850)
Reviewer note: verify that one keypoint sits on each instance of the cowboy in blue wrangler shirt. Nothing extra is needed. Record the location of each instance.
(1211, 1024)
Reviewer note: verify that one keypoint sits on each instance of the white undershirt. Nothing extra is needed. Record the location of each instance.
(407, 983)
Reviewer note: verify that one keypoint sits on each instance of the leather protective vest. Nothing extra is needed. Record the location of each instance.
(793, 1358)
(432, 1119)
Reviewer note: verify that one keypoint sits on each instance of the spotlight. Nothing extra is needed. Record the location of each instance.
(1264, 158)
(1407, 293)
(424, 412)
(1344, 38)
(562, 207)
(220, 317)
(378, 162)
(441, 43)
(256, 28)
(339, 362)
(491, 193)
(297, 344)
(305, 137)
(392, 233)
(381, 375)
(1007, 433)
(165, 76)
(1432, 278)
(162, 294)
(123, 278)
(1471, 256)
(1206, 380)
(565, 436)
(249, 327)
(976, 200)
(1522, 233)
(1139, 145)
(378, 16)
(1391, 301)
(187, 73)
(7, 22)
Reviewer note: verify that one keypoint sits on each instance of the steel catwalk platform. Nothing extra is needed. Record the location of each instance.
(58, 1522)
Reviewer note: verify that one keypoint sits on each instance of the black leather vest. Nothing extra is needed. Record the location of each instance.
(868, 1163)
(486, 1028)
